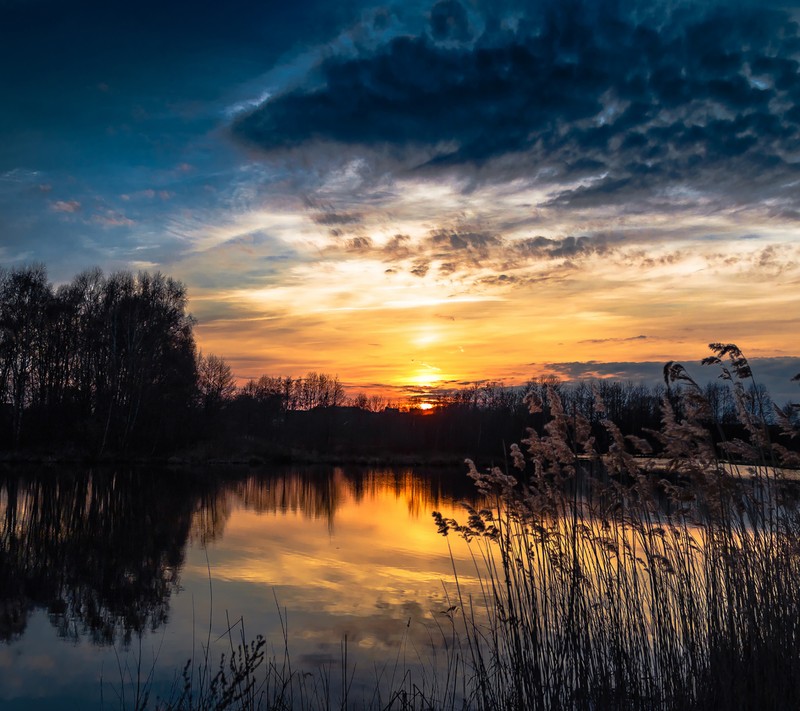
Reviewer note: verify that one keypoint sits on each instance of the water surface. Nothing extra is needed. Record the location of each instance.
(110, 577)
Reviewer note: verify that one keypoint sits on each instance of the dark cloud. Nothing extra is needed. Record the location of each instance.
(614, 340)
(398, 247)
(481, 103)
(449, 21)
(774, 373)
(359, 244)
(514, 280)
(460, 249)
(467, 245)
(420, 268)
(500, 280)
(631, 98)
(568, 247)
(336, 218)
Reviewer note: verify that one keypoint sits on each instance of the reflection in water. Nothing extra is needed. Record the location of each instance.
(320, 493)
(109, 557)
(101, 551)
(347, 555)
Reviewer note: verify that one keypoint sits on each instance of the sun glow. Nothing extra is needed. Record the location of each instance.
(425, 379)
(376, 320)
(425, 338)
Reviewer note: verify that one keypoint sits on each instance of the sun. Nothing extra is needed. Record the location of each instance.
(426, 406)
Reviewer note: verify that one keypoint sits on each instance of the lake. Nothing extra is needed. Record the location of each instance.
(113, 578)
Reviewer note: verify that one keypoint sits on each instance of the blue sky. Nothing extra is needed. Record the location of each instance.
(419, 194)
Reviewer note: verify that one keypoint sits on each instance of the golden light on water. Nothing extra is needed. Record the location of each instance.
(366, 556)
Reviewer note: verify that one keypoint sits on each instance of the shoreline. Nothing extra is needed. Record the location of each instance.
(439, 460)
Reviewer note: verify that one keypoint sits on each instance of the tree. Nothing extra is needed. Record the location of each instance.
(215, 382)
(109, 359)
(24, 296)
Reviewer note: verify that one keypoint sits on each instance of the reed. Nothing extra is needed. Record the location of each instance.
(670, 584)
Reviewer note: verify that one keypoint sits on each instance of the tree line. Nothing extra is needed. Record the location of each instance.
(312, 416)
(104, 361)
(108, 364)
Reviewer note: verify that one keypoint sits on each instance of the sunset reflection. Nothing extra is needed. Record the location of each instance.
(344, 554)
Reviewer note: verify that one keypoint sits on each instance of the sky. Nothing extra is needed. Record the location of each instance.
(420, 194)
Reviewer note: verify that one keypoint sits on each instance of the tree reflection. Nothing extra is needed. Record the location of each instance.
(320, 492)
(101, 552)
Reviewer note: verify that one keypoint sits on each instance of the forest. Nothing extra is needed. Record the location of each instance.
(107, 366)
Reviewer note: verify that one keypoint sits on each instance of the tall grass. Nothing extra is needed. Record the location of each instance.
(674, 584)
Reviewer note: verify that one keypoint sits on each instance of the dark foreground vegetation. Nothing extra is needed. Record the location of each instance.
(674, 586)
(107, 367)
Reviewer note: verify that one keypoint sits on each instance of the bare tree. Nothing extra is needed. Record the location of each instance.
(215, 382)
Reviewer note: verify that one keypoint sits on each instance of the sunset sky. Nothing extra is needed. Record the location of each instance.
(420, 194)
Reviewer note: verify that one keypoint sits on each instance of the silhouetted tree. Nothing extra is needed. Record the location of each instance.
(24, 298)
(215, 382)
(110, 359)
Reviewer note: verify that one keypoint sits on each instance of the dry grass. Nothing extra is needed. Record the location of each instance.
(661, 588)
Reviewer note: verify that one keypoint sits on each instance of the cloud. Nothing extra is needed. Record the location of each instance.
(65, 206)
(463, 248)
(449, 21)
(333, 218)
(527, 176)
(20, 175)
(774, 373)
(420, 268)
(604, 101)
(359, 244)
(111, 218)
(473, 245)
(614, 340)
(148, 194)
(570, 246)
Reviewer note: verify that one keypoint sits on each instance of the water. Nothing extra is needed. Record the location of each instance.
(113, 578)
